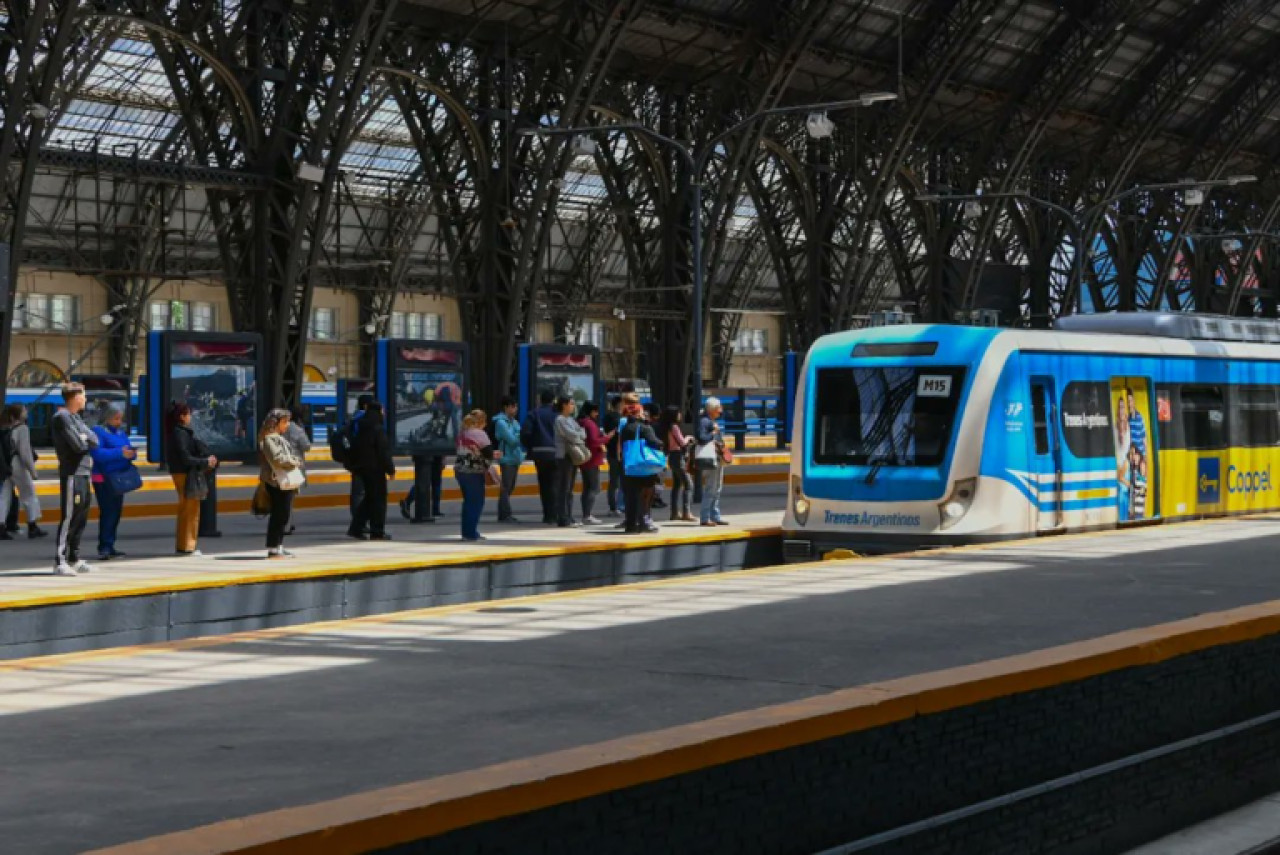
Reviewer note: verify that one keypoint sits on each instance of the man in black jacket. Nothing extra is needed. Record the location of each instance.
(372, 463)
(609, 424)
(72, 440)
(538, 435)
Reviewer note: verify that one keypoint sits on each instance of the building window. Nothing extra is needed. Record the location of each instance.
(159, 319)
(170, 315)
(63, 312)
(751, 342)
(416, 325)
(204, 317)
(595, 334)
(32, 312)
(324, 324)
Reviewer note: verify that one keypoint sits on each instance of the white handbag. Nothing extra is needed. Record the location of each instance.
(707, 455)
(290, 479)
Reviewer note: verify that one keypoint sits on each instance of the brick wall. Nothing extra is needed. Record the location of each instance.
(826, 794)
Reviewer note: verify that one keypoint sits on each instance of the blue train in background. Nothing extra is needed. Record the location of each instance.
(924, 435)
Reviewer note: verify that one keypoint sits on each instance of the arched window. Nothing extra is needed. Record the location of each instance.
(35, 373)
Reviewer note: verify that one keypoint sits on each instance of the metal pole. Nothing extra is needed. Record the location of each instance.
(698, 285)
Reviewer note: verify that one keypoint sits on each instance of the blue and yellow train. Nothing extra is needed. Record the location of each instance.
(921, 435)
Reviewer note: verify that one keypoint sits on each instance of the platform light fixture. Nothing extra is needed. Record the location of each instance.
(819, 126)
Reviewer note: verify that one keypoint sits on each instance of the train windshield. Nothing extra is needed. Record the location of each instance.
(885, 416)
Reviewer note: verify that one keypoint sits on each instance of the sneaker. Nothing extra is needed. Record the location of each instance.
(651, 529)
(82, 567)
(475, 539)
(279, 553)
(104, 556)
(117, 554)
(614, 514)
(658, 503)
(64, 570)
(357, 535)
(592, 521)
(509, 520)
(383, 536)
(4, 535)
(34, 531)
(194, 553)
(404, 509)
(721, 522)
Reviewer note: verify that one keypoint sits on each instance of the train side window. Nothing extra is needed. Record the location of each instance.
(1040, 417)
(1259, 424)
(1086, 420)
(1204, 417)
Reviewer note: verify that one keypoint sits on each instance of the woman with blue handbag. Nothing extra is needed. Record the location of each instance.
(114, 475)
(642, 462)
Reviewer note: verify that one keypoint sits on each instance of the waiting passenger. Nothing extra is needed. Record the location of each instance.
(189, 464)
(472, 469)
(72, 440)
(571, 452)
(677, 447)
(596, 443)
(506, 427)
(712, 455)
(538, 435)
(609, 424)
(20, 486)
(281, 472)
(653, 414)
(638, 489)
(114, 476)
(371, 462)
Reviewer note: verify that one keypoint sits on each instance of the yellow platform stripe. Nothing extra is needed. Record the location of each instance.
(402, 814)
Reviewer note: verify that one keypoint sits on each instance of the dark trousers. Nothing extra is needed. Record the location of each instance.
(681, 483)
(281, 508)
(510, 474)
(472, 486)
(11, 521)
(547, 488)
(373, 508)
(590, 489)
(615, 483)
(638, 495)
(428, 471)
(209, 507)
(357, 494)
(565, 471)
(74, 501)
(110, 509)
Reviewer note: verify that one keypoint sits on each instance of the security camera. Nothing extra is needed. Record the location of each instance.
(819, 126)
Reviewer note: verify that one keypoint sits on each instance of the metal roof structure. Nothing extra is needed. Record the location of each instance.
(377, 146)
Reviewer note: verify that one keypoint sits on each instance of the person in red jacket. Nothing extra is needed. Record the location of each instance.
(588, 417)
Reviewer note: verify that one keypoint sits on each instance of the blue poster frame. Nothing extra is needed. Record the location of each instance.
(387, 362)
(527, 373)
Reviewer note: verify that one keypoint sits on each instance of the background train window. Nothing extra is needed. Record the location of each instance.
(1204, 417)
(1040, 417)
(1258, 424)
(1086, 420)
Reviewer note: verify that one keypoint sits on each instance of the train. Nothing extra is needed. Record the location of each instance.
(923, 435)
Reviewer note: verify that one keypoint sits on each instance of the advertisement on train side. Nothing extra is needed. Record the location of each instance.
(1135, 460)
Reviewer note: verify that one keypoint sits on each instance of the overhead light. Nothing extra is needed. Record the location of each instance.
(107, 319)
(972, 209)
(1192, 197)
(39, 111)
(870, 98)
(370, 329)
(819, 126)
(311, 173)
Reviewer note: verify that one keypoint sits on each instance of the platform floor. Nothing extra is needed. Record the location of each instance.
(106, 747)
(320, 546)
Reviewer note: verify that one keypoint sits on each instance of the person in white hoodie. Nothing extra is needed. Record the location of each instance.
(22, 465)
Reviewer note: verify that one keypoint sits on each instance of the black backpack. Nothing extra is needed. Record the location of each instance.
(340, 443)
(6, 453)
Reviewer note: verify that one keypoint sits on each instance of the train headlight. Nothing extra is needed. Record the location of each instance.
(799, 504)
(953, 509)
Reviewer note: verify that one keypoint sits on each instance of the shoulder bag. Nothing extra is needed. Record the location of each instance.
(639, 460)
(126, 481)
(289, 479)
(197, 486)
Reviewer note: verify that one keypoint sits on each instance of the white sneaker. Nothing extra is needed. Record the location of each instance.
(64, 570)
(591, 521)
(82, 567)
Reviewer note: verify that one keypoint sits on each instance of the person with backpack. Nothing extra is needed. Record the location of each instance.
(17, 473)
(506, 430)
(371, 462)
(538, 436)
(72, 440)
(340, 447)
(114, 476)
(638, 488)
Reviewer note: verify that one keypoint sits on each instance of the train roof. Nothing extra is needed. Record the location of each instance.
(966, 344)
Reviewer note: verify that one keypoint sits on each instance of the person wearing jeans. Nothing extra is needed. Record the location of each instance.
(475, 455)
(677, 447)
(712, 470)
(506, 427)
(610, 423)
(114, 456)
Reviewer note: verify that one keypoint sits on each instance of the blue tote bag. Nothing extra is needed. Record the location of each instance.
(639, 460)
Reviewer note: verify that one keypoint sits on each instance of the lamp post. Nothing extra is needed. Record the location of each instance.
(1077, 221)
(817, 125)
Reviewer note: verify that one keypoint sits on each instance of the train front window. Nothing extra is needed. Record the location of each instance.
(885, 416)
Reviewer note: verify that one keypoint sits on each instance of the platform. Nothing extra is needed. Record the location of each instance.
(154, 595)
(103, 748)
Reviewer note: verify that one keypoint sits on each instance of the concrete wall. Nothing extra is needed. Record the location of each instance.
(965, 777)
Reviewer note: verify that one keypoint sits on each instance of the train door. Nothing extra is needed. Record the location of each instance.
(1133, 422)
(1046, 458)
